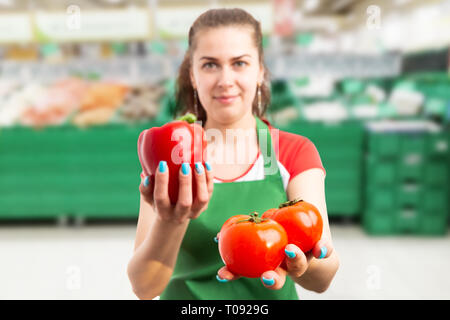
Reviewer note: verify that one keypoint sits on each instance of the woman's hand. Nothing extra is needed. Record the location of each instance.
(155, 192)
(295, 265)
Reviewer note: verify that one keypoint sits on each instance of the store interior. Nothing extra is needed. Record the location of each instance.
(368, 82)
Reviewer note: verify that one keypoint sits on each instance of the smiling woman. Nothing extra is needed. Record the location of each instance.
(224, 82)
(224, 46)
(226, 79)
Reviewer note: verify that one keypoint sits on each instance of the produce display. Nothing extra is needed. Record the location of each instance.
(249, 245)
(78, 101)
(54, 104)
(176, 142)
(142, 102)
(99, 103)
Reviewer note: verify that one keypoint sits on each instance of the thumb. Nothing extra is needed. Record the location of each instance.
(322, 249)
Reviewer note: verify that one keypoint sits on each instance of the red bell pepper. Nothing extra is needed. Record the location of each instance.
(176, 142)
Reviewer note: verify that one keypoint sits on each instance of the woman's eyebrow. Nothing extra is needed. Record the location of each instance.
(235, 58)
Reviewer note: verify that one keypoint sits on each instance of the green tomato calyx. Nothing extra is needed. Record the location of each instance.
(290, 203)
(254, 217)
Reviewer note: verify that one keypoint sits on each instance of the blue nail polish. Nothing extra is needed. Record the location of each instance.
(323, 252)
(208, 166)
(146, 181)
(162, 166)
(185, 168)
(268, 282)
(220, 279)
(199, 168)
(290, 254)
(216, 240)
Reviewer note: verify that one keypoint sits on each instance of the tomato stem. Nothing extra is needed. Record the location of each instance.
(289, 203)
(253, 217)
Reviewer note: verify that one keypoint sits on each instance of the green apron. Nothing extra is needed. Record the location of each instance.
(194, 275)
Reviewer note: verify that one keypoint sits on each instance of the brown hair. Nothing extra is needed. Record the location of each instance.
(214, 18)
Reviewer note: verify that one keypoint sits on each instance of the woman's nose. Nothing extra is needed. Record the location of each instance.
(226, 78)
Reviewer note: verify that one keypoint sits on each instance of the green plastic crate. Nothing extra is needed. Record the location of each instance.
(378, 222)
(380, 198)
(406, 183)
(386, 145)
(410, 168)
(435, 200)
(407, 220)
(437, 146)
(436, 174)
(343, 162)
(381, 172)
(433, 223)
(408, 195)
(342, 203)
(413, 143)
(67, 171)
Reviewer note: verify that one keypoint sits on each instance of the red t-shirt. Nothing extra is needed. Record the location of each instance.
(294, 153)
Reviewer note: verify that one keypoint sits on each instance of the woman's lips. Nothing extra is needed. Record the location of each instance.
(226, 99)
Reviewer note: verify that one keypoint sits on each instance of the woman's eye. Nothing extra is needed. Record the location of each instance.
(241, 63)
(208, 65)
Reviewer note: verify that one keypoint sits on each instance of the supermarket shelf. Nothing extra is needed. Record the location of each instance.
(158, 67)
(151, 69)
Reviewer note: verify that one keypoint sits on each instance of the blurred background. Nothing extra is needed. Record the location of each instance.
(367, 81)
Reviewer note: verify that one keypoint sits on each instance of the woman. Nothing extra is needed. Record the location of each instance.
(223, 80)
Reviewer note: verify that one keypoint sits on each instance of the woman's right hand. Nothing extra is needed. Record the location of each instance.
(155, 192)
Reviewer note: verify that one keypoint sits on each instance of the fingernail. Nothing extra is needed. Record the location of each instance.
(208, 166)
(199, 168)
(162, 166)
(268, 282)
(185, 168)
(216, 240)
(220, 279)
(290, 254)
(146, 181)
(323, 252)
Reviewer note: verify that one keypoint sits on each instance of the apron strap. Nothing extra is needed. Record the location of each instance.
(265, 144)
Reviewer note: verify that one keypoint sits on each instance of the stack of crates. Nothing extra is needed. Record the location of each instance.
(33, 182)
(66, 171)
(406, 183)
(104, 169)
(341, 148)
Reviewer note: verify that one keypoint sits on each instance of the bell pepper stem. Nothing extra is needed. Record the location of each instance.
(188, 117)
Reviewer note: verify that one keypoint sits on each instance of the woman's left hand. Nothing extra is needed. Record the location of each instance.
(295, 265)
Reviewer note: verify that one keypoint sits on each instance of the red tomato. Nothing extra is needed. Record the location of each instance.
(249, 245)
(269, 213)
(302, 222)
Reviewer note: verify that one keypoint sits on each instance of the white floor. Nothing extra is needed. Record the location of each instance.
(50, 262)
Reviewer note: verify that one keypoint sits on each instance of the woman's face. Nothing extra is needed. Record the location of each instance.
(226, 71)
